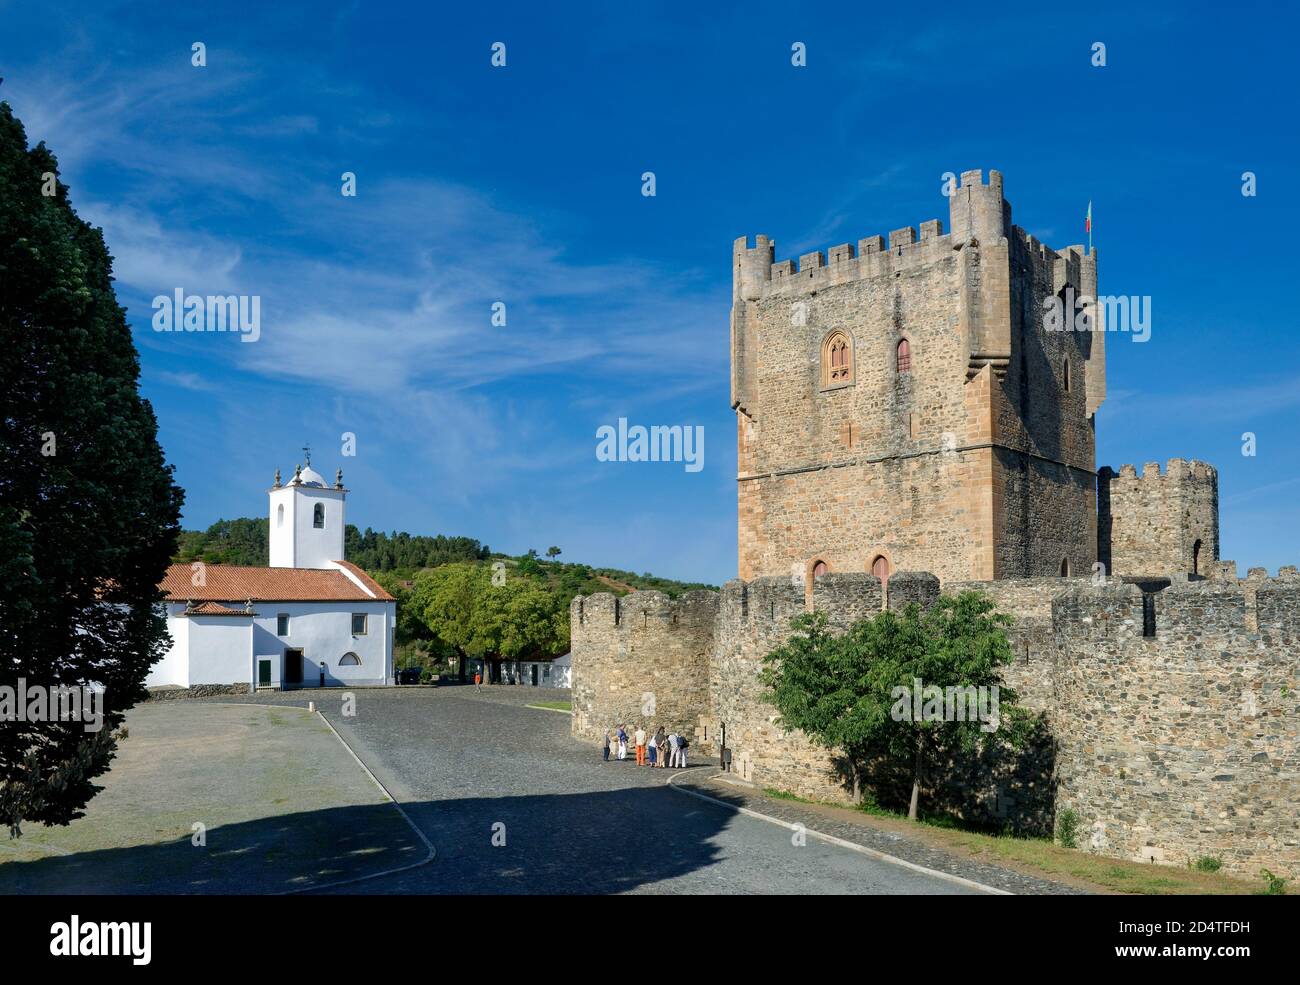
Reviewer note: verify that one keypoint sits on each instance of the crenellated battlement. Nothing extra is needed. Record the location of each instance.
(1164, 521)
(978, 213)
(638, 610)
(1174, 470)
(871, 257)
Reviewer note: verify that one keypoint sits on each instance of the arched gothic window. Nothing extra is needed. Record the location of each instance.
(904, 354)
(318, 516)
(837, 360)
(819, 568)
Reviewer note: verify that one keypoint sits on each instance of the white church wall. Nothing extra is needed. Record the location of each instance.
(221, 649)
(323, 631)
(174, 667)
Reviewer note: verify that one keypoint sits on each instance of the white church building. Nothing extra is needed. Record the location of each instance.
(311, 619)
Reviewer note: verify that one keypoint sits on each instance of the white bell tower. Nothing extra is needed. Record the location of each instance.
(306, 519)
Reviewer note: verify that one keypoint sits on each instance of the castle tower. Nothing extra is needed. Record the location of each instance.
(904, 403)
(306, 520)
(1159, 523)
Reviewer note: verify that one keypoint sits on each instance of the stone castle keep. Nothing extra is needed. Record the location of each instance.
(906, 424)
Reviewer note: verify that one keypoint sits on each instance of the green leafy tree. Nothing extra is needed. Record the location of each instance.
(553, 552)
(410, 623)
(519, 620)
(853, 692)
(88, 509)
(445, 599)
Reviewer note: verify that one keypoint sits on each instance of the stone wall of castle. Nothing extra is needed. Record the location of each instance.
(1185, 743)
(1160, 522)
(1029, 602)
(641, 659)
(1167, 747)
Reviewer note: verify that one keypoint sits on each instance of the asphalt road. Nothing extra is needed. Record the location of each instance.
(513, 804)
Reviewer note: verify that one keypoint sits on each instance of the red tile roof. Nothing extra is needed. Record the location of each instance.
(236, 583)
(216, 609)
(366, 580)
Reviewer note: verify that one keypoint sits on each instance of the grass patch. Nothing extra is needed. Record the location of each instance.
(552, 705)
(776, 794)
(1044, 858)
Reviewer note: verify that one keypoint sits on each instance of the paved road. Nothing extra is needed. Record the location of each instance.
(467, 766)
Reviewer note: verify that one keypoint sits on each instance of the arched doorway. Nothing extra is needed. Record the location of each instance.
(880, 568)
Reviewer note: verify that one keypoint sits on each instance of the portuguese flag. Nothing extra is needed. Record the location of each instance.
(1087, 222)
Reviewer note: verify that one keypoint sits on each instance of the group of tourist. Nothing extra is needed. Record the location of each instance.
(666, 750)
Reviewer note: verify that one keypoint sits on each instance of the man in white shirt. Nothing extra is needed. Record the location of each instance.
(639, 738)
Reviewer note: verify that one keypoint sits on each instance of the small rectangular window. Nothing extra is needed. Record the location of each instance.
(282, 625)
(358, 624)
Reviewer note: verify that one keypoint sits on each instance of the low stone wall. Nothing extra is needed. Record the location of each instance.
(641, 660)
(1168, 747)
(1185, 743)
(197, 691)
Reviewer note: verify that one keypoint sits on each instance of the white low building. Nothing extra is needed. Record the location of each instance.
(311, 619)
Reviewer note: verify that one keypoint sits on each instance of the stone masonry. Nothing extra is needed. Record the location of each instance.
(1169, 689)
(974, 459)
(1159, 523)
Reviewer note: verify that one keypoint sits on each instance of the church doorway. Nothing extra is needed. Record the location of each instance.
(292, 668)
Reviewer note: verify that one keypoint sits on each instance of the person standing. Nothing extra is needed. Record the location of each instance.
(681, 751)
(622, 742)
(606, 747)
(672, 750)
(639, 738)
(663, 748)
(653, 747)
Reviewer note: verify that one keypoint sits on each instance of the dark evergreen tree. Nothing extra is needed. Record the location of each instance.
(88, 508)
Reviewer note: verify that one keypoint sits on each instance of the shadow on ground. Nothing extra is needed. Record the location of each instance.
(602, 842)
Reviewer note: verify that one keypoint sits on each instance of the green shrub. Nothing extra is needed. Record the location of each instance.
(1273, 885)
(1067, 828)
(1206, 863)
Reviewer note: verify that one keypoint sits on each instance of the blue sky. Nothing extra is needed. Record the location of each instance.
(523, 185)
